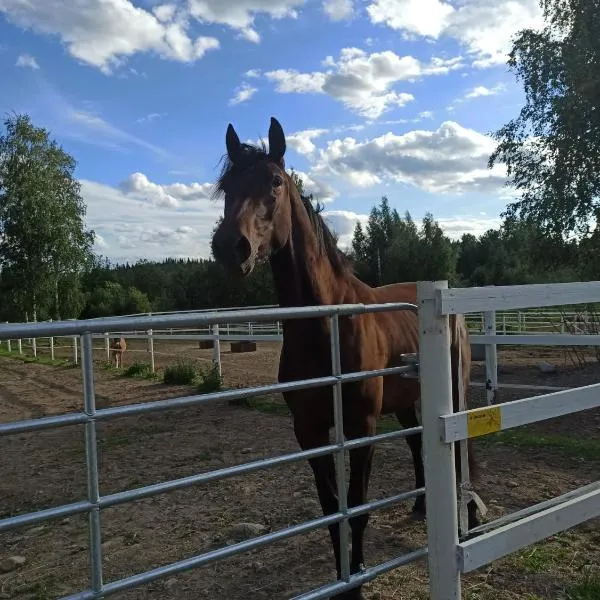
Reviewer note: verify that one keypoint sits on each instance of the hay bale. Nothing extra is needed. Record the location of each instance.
(206, 344)
(237, 347)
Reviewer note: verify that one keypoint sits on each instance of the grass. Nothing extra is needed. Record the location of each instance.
(588, 588)
(189, 372)
(141, 370)
(525, 437)
(40, 360)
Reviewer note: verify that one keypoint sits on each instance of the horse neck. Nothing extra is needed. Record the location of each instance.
(302, 273)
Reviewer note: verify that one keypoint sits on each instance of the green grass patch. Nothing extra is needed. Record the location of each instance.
(264, 404)
(588, 588)
(189, 372)
(141, 370)
(524, 437)
(40, 360)
(183, 372)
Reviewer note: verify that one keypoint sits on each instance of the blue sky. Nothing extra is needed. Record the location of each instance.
(377, 97)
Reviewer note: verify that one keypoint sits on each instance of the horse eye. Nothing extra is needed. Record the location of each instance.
(277, 180)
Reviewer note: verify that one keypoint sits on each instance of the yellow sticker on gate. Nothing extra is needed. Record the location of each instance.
(483, 421)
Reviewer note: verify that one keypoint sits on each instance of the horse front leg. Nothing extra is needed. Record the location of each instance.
(361, 460)
(310, 436)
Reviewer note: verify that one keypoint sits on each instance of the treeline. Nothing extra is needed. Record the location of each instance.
(389, 248)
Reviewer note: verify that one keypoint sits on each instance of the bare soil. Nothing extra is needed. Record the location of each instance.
(44, 469)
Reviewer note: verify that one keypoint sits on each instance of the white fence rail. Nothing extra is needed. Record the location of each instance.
(489, 329)
(442, 427)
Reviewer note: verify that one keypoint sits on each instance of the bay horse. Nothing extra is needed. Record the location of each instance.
(117, 349)
(266, 218)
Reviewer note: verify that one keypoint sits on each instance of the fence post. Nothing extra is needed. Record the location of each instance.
(151, 347)
(440, 474)
(216, 357)
(75, 357)
(491, 359)
(51, 345)
(8, 347)
(20, 345)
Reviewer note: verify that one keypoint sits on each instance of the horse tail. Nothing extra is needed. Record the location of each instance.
(460, 360)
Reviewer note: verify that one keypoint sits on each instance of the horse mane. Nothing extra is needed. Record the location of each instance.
(326, 242)
(250, 156)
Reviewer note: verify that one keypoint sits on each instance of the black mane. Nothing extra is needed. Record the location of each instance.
(250, 156)
(326, 242)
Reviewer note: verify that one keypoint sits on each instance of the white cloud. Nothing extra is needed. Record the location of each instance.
(243, 94)
(338, 10)
(451, 159)
(483, 27)
(302, 141)
(104, 34)
(321, 191)
(252, 73)
(240, 14)
(481, 90)
(27, 61)
(422, 17)
(150, 117)
(343, 223)
(362, 82)
(131, 223)
(456, 227)
(170, 195)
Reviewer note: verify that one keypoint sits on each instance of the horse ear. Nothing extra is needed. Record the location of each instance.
(276, 141)
(232, 142)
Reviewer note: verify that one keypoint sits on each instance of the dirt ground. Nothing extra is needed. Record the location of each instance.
(44, 469)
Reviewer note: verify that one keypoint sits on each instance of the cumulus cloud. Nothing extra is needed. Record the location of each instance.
(243, 94)
(481, 90)
(302, 141)
(26, 61)
(343, 222)
(240, 14)
(338, 10)
(144, 219)
(483, 27)
(104, 34)
(362, 82)
(321, 190)
(451, 159)
(169, 195)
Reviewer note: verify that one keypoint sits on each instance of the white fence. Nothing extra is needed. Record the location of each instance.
(442, 427)
(489, 329)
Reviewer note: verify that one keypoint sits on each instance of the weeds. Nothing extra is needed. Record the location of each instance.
(183, 372)
(140, 369)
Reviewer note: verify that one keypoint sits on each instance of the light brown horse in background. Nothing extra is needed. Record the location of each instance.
(117, 349)
(265, 218)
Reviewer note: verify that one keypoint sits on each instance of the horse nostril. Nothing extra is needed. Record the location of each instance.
(243, 249)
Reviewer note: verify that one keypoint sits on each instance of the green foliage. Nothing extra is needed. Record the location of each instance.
(210, 381)
(140, 369)
(183, 372)
(189, 372)
(113, 299)
(44, 246)
(552, 149)
(588, 588)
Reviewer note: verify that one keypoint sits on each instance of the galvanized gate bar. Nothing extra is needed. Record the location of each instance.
(185, 401)
(91, 460)
(90, 415)
(176, 484)
(101, 325)
(244, 546)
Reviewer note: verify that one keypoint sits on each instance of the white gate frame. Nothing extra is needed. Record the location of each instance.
(449, 557)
